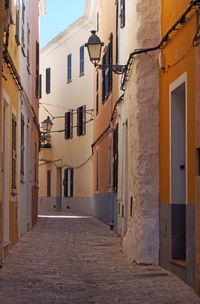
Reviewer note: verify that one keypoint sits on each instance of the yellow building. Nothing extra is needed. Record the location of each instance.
(177, 137)
(19, 121)
(4, 17)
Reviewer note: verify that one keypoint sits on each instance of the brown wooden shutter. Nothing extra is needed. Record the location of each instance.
(22, 145)
(14, 156)
(122, 13)
(78, 121)
(84, 119)
(71, 123)
(71, 181)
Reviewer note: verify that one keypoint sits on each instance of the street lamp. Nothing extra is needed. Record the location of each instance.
(94, 47)
(47, 125)
(45, 134)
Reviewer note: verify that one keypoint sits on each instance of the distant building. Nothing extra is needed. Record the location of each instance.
(66, 78)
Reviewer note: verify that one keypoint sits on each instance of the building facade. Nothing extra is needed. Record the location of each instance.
(67, 98)
(138, 189)
(19, 120)
(179, 169)
(105, 139)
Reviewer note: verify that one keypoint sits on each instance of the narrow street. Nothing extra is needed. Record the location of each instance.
(78, 260)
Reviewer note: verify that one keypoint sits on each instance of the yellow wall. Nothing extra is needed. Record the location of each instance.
(11, 89)
(179, 58)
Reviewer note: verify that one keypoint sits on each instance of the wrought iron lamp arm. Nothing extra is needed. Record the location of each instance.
(117, 69)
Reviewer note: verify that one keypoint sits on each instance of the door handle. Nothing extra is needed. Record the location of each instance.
(182, 167)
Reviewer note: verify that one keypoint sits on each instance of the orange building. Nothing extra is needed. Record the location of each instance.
(105, 162)
(177, 138)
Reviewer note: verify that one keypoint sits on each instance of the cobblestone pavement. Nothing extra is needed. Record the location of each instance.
(78, 260)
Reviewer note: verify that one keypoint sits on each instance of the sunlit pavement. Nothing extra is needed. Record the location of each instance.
(72, 259)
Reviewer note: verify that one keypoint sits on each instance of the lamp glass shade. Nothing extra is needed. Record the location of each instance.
(94, 46)
(94, 51)
(47, 124)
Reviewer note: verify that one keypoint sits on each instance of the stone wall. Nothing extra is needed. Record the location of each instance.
(141, 242)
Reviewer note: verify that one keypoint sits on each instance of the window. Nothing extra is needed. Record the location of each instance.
(48, 183)
(69, 124)
(17, 23)
(82, 60)
(97, 169)
(81, 120)
(69, 68)
(122, 13)
(22, 147)
(97, 93)
(107, 74)
(40, 86)
(68, 182)
(14, 157)
(48, 80)
(37, 81)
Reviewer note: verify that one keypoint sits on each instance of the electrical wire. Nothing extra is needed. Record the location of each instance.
(165, 39)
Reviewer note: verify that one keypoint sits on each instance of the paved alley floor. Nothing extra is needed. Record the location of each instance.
(78, 260)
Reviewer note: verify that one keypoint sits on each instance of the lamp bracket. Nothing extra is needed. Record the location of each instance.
(117, 69)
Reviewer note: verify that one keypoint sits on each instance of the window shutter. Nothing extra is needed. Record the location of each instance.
(84, 120)
(81, 60)
(69, 68)
(110, 55)
(40, 86)
(65, 182)
(103, 82)
(117, 33)
(97, 93)
(17, 23)
(71, 123)
(37, 84)
(115, 158)
(122, 13)
(14, 155)
(22, 145)
(48, 183)
(78, 121)
(7, 4)
(71, 181)
(107, 74)
(48, 80)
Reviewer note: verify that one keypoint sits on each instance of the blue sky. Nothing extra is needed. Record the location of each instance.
(59, 15)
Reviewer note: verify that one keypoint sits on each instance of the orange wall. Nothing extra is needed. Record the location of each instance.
(102, 120)
(179, 58)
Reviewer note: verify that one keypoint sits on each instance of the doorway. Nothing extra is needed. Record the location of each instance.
(178, 171)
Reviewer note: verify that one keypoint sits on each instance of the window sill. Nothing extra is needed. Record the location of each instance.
(180, 263)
